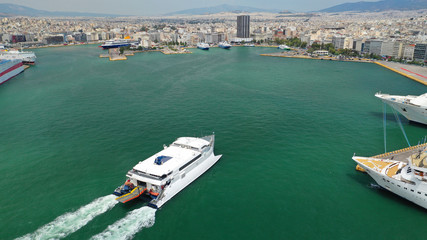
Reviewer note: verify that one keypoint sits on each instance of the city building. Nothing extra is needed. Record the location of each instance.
(56, 39)
(373, 47)
(420, 52)
(392, 49)
(243, 26)
(338, 42)
(408, 51)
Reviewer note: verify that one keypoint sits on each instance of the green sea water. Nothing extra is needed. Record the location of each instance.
(74, 124)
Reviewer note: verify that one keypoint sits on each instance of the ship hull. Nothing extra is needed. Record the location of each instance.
(414, 193)
(114, 46)
(185, 179)
(25, 57)
(203, 48)
(225, 47)
(411, 112)
(11, 72)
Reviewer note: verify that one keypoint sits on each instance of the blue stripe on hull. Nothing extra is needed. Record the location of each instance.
(115, 46)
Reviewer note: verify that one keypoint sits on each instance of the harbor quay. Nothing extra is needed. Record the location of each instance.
(414, 72)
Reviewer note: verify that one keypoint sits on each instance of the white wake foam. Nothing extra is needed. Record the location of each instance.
(70, 222)
(128, 226)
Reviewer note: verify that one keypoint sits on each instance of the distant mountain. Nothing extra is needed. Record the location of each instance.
(384, 5)
(221, 8)
(9, 9)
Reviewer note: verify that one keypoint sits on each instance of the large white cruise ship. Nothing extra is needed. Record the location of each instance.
(116, 43)
(414, 108)
(9, 69)
(12, 54)
(166, 173)
(404, 177)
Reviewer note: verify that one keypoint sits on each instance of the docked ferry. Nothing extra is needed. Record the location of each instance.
(163, 175)
(9, 69)
(284, 47)
(25, 56)
(414, 108)
(203, 46)
(403, 172)
(224, 45)
(116, 43)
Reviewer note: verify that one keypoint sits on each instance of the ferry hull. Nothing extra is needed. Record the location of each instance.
(404, 105)
(7, 75)
(414, 193)
(412, 113)
(225, 47)
(203, 48)
(114, 46)
(184, 180)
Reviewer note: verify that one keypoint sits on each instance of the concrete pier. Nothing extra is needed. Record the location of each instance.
(114, 55)
(416, 73)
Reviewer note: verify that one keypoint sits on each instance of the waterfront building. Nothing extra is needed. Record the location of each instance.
(408, 51)
(54, 39)
(338, 42)
(18, 38)
(392, 49)
(154, 36)
(348, 43)
(373, 46)
(420, 52)
(306, 38)
(243, 26)
(80, 37)
(321, 52)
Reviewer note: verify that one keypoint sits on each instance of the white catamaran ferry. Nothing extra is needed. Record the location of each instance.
(164, 174)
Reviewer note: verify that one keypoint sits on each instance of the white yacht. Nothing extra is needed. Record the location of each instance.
(12, 54)
(167, 172)
(203, 46)
(224, 45)
(405, 177)
(284, 47)
(414, 108)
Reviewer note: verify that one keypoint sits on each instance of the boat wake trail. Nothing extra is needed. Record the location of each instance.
(375, 186)
(70, 222)
(128, 226)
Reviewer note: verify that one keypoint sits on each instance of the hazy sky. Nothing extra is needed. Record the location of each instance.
(152, 7)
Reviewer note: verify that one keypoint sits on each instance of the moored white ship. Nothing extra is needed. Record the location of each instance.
(9, 69)
(166, 173)
(203, 46)
(116, 43)
(405, 177)
(414, 108)
(224, 45)
(284, 47)
(24, 56)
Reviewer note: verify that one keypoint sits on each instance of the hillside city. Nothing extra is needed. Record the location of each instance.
(398, 35)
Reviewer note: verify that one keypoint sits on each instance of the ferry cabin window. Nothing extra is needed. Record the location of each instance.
(190, 162)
